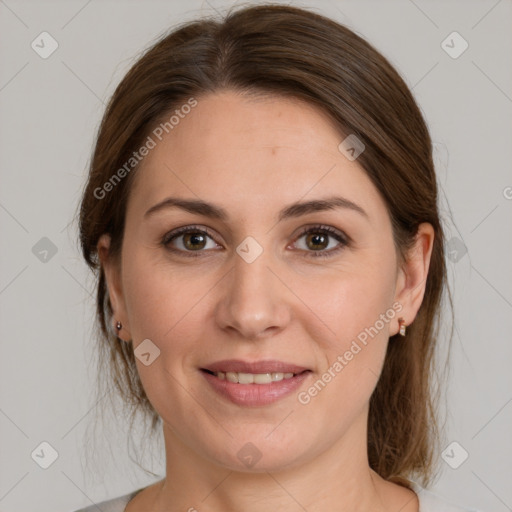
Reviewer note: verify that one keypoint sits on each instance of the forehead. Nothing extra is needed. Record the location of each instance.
(250, 152)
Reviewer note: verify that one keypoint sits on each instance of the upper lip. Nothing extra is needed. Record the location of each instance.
(256, 367)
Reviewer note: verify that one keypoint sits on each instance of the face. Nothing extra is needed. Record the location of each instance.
(310, 289)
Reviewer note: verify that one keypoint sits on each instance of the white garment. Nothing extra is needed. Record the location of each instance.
(429, 502)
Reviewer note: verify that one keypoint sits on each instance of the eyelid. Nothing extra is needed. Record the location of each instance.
(331, 230)
(343, 240)
(176, 233)
(185, 229)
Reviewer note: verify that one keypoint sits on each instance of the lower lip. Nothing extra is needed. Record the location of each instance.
(255, 394)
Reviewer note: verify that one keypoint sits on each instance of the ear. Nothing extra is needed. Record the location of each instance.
(112, 271)
(412, 275)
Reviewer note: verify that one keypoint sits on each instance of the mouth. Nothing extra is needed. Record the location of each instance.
(254, 384)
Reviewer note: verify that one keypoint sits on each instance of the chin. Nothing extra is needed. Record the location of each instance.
(258, 456)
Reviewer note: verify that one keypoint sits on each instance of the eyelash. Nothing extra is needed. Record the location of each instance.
(322, 229)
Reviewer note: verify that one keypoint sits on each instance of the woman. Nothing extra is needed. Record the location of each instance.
(262, 212)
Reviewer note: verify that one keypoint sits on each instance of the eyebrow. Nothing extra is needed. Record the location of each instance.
(291, 211)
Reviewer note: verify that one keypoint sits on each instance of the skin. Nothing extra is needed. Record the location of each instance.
(286, 305)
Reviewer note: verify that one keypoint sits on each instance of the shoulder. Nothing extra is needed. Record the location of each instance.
(430, 502)
(113, 505)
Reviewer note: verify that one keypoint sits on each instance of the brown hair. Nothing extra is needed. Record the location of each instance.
(289, 51)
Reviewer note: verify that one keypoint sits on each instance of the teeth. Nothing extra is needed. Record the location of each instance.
(253, 378)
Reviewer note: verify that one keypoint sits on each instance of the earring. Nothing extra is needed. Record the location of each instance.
(402, 327)
(119, 325)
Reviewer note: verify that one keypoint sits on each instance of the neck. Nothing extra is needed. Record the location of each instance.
(339, 478)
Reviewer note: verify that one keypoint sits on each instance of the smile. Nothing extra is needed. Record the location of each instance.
(254, 389)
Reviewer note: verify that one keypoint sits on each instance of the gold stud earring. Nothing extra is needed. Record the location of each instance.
(402, 327)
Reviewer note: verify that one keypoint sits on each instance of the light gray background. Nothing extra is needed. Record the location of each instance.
(50, 109)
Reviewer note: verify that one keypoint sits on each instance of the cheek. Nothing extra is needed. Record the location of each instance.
(353, 316)
(160, 302)
(359, 310)
(164, 307)
(348, 299)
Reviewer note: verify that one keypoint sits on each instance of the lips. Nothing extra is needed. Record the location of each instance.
(258, 383)
(260, 389)
(257, 367)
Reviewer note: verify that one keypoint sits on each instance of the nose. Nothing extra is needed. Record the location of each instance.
(254, 302)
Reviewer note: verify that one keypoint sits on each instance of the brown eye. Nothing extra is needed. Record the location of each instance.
(321, 241)
(317, 241)
(188, 240)
(194, 241)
